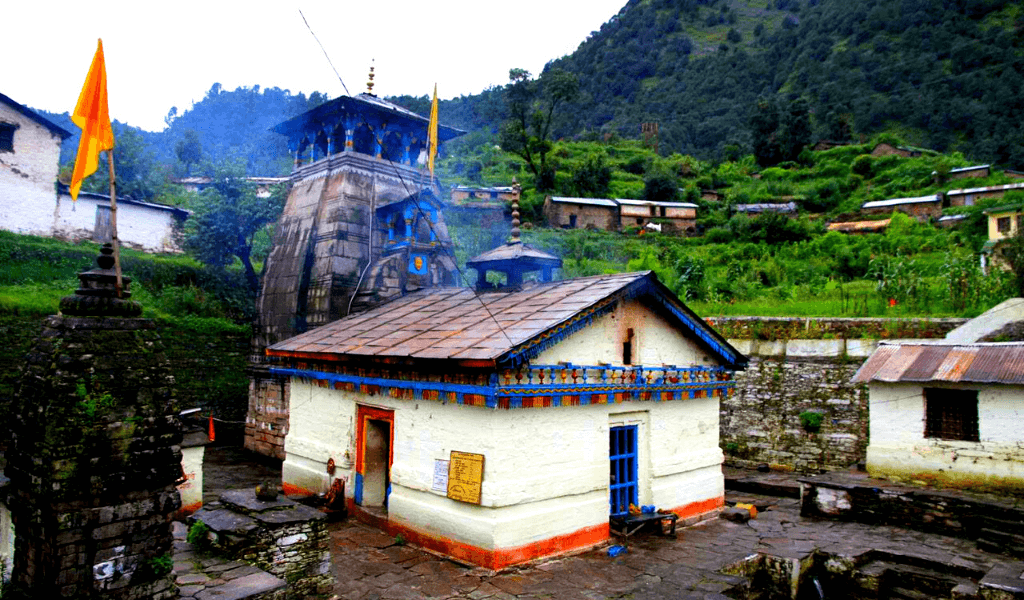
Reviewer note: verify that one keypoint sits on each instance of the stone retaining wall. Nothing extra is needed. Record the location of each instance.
(760, 421)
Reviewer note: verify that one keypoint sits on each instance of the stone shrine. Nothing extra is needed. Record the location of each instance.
(94, 452)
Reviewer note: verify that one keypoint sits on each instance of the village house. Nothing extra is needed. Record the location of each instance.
(948, 411)
(484, 424)
(490, 197)
(144, 226)
(922, 208)
(200, 183)
(1003, 222)
(973, 172)
(679, 218)
(581, 213)
(887, 149)
(788, 208)
(29, 157)
(968, 197)
(33, 202)
(711, 195)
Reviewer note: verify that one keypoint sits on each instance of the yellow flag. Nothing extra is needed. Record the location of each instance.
(432, 132)
(93, 118)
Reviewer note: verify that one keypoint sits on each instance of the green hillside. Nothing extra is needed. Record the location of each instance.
(771, 264)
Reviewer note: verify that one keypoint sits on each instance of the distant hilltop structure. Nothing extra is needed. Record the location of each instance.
(362, 224)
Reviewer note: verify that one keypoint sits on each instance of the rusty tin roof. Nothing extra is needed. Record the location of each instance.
(952, 363)
(492, 327)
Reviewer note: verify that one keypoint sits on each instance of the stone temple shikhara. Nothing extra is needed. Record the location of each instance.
(362, 224)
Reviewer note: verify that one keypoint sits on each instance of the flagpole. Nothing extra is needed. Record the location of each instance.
(113, 222)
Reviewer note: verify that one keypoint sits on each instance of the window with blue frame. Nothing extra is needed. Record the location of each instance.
(623, 482)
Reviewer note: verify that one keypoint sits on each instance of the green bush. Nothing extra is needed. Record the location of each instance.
(862, 166)
(811, 421)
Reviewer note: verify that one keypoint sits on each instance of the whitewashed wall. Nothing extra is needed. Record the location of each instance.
(899, 449)
(138, 226)
(655, 343)
(28, 176)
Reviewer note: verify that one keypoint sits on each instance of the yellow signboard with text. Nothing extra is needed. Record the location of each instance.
(465, 476)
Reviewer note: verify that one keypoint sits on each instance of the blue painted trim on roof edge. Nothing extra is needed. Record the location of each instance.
(515, 394)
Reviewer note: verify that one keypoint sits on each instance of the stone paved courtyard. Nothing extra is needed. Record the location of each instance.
(369, 565)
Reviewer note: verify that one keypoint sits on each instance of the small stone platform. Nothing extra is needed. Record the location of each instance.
(287, 539)
(203, 577)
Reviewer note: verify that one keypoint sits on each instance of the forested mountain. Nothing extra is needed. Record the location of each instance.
(945, 74)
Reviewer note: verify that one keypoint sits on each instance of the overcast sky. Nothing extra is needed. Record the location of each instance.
(161, 55)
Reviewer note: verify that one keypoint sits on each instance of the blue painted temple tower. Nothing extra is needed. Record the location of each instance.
(362, 224)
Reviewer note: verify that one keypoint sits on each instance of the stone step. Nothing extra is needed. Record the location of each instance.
(767, 485)
(879, 578)
(897, 593)
(983, 522)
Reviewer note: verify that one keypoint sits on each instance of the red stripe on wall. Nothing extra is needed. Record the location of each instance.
(492, 559)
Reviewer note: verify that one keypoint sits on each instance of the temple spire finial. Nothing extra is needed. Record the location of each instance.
(369, 84)
(514, 238)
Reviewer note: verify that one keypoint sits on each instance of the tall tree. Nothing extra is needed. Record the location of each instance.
(531, 106)
(229, 216)
(764, 125)
(189, 150)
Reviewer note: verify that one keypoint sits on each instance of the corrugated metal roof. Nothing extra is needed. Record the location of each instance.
(593, 201)
(779, 208)
(953, 363)
(653, 203)
(860, 225)
(991, 188)
(901, 201)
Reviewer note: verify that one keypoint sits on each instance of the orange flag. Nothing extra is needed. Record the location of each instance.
(93, 118)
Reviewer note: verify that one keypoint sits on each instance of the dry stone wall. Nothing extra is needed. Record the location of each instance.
(789, 376)
(760, 421)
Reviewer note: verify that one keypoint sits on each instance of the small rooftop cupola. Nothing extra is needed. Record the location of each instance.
(513, 259)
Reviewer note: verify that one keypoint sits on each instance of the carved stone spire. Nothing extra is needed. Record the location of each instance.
(97, 292)
(369, 84)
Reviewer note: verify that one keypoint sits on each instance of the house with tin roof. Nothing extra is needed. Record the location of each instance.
(949, 411)
(616, 214)
(514, 421)
(970, 196)
(33, 202)
(921, 208)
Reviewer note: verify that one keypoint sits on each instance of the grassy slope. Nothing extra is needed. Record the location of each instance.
(826, 275)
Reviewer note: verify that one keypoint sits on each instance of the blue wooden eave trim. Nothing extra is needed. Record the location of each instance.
(581, 392)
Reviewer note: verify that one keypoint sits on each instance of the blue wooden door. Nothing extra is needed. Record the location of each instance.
(622, 453)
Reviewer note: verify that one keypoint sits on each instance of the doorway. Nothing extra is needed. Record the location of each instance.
(623, 479)
(375, 454)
